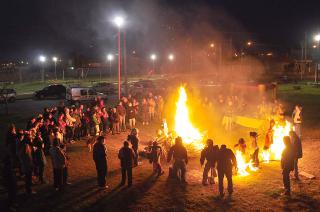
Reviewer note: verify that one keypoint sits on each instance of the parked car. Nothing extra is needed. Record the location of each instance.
(52, 91)
(142, 87)
(105, 87)
(82, 94)
(9, 94)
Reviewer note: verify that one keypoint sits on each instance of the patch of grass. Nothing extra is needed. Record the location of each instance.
(309, 97)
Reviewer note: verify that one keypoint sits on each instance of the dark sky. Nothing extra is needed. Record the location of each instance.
(30, 27)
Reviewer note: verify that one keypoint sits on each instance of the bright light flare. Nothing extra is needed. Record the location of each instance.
(317, 37)
(183, 125)
(42, 58)
(118, 21)
(171, 57)
(153, 56)
(54, 59)
(110, 57)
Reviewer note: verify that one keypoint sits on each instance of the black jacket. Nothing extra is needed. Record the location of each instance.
(209, 153)
(178, 152)
(134, 140)
(226, 159)
(126, 156)
(287, 158)
(100, 155)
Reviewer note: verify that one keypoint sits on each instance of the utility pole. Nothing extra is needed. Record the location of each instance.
(125, 63)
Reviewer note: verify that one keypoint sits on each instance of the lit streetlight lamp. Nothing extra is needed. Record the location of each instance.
(171, 57)
(110, 58)
(153, 57)
(55, 60)
(119, 22)
(249, 43)
(212, 45)
(42, 60)
(317, 39)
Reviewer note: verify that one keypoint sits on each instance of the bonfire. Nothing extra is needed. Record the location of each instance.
(184, 128)
(276, 149)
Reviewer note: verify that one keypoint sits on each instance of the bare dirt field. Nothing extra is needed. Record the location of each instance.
(260, 190)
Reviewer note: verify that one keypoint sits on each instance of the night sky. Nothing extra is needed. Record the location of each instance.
(30, 27)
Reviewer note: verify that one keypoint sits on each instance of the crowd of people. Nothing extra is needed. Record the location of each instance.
(55, 128)
(50, 132)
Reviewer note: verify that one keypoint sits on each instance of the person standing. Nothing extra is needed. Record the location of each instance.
(133, 138)
(69, 126)
(297, 120)
(287, 164)
(152, 106)
(58, 163)
(226, 160)
(126, 156)
(26, 160)
(180, 155)
(145, 112)
(131, 115)
(39, 157)
(297, 147)
(122, 116)
(155, 159)
(114, 118)
(209, 154)
(254, 149)
(100, 160)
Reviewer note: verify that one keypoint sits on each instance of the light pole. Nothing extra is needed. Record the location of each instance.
(55, 59)
(119, 21)
(110, 58)
(42, 60)
(317, 39)
(153, 57)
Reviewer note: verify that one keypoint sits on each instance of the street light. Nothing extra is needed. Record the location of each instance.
(212, 45)
(55, 59)
(317, 39)
(110, 58)
(42, 60)
(171, 57)
(249, 43)
(119, 22)
(153, 57)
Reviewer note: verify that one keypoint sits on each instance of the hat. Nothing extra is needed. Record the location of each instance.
(253, 134)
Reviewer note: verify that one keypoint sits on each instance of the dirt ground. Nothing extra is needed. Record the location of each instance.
(259, 191)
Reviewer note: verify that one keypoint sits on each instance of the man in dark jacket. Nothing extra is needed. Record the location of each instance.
(126, 156)
(209, 153)
(287, 164)
(180, 156)
(297, 147)
(133, 138)
(100, 159)
(226, 160)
